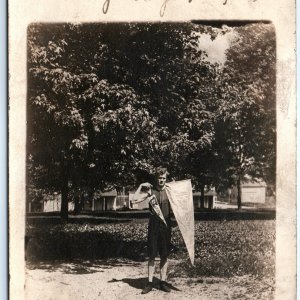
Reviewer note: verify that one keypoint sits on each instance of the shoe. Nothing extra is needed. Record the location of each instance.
(164, 287)
(147, 288)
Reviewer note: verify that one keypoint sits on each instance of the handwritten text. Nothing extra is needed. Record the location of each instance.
(163, 7)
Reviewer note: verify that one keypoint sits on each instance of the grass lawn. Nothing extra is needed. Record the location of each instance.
(222, 248)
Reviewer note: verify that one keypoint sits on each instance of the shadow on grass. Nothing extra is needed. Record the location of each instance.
(140, 283)
(118, 217)
(78, 267)
(93, 245)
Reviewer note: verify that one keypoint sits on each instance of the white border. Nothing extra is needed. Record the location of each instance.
(3, 153)
(281, 13)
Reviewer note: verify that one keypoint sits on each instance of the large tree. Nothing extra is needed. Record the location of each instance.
(246, 121)
(106, 102)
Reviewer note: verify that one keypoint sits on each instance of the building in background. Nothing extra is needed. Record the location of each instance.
(103, 201)
(52, 203)
(210, 198)
(252, 192)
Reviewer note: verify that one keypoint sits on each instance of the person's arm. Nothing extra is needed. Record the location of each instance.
(140, 196)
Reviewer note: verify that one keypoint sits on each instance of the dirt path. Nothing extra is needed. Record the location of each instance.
(123, 279)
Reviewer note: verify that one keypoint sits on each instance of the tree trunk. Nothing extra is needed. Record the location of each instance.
(64, 191)
(78, 201)
(202, 197)
(239, 198)
(77, 204)
(81, 203)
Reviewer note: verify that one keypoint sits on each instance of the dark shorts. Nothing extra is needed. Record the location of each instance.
(159, 238)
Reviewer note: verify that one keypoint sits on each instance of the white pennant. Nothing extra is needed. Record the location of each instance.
(180, 195)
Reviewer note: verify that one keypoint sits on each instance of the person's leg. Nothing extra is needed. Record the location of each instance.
(152, 250)
(163, 274)
(163, 268)
(151, 268)
(164, 249)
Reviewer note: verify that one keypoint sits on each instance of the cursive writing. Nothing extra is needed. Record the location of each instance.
(163, 7)
(105, 6)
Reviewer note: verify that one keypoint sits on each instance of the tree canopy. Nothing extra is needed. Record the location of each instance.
(107, 103)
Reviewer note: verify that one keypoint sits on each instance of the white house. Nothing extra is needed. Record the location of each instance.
(210, 198)
(253, 192)
(103, 201)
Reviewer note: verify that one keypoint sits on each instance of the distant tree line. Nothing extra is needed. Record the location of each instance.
(107, 103)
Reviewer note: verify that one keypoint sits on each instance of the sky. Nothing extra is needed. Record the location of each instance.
(216, 49)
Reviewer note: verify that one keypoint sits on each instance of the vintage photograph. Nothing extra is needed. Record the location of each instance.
(151, 160)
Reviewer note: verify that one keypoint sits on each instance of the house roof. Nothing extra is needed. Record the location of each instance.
(111, 193)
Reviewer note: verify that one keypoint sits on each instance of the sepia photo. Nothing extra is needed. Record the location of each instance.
(107, 105)
(153, 160)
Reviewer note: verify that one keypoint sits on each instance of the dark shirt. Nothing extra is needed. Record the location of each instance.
(163, 201)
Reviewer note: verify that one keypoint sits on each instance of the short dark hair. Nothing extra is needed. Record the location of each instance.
(161, 171)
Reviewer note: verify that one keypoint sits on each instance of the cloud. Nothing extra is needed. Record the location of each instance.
(216, 48)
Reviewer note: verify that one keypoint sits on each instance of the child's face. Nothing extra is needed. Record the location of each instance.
(161, 180)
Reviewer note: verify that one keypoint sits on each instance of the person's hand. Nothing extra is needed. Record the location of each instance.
(146, 185)
(141, 194)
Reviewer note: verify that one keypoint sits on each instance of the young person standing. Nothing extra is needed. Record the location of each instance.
(159, 233)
